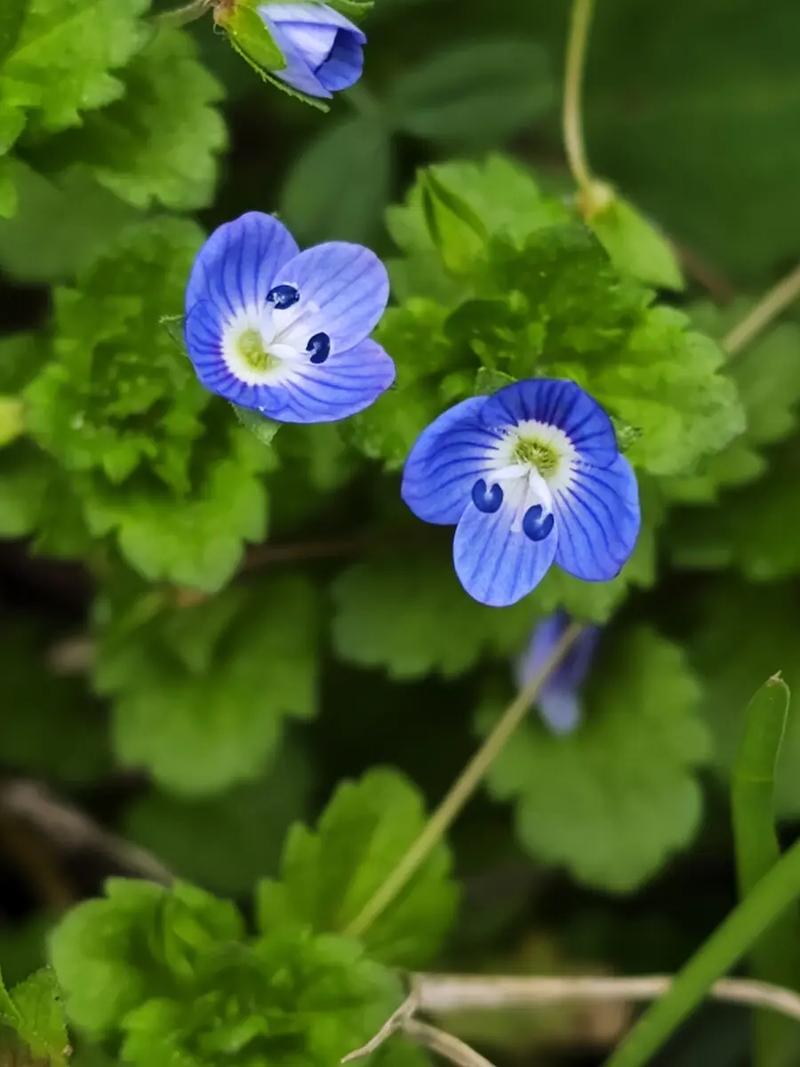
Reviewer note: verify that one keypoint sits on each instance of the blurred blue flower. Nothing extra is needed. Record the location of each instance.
(324, 51)
(529, 476)
(282, 331)
(559, 698)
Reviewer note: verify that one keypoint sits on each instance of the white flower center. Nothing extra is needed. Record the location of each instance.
(529, 464)
(260, 345)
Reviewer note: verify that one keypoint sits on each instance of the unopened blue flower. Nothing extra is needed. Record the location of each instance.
(529, 476)
(286, 332)
(559, 699)
(324, 51)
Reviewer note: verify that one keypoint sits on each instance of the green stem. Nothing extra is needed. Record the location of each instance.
(461, 790)
(572, 122)
(774, 893)
(773, 957)
(181, 16)
(768, 308)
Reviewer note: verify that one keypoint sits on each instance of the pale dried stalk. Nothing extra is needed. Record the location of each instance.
(451, 1048)
(70, 828)
(438, 993)
(772, 304)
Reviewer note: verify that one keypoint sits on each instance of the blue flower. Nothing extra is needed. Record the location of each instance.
(324, 51)
(559, 698)
(282, 331)
(529, 476)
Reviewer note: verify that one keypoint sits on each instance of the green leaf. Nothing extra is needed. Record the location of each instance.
(12, 18)
(33, 1011)
(152, 460)
(748, 527)
(327, 877)
(285, 1000)
(774, 957)
(457, 232)
(523, 289)
(767, 377)
(773, 896)
(636, 246)
(201, 694)
(338, 186)
(613, 800)
(119, 393)
(196, 539)
(729, 665)
(8, 190)
(62, 61)
(169, 976)
(389, 613)
(109, 955)
(60, 225)
(229, 841)
(159, 143)
(503, 194)
(474, 94)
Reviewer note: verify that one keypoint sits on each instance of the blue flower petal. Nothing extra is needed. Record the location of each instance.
(598, 520)
(559, 403)
(447, 459)
(346, 383)
(344, 289)
(344, 65)
(559, 700)
(498, 565)
(235, 267)
(311, 36)
(310, 14)
(202, 331)
(297, 73)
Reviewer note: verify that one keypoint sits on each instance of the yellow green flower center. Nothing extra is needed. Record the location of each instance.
(251, 349)
(536, 454)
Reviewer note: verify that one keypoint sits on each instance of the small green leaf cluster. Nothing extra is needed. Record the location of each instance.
(32, 1021)
(168, 975)
(90, 94)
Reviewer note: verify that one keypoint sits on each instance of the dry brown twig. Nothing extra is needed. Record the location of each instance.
(33, 804)
(441, 993)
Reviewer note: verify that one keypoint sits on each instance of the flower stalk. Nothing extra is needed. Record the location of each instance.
(461, 790)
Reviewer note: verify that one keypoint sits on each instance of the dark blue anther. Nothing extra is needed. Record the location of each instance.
(485, 499)
(283, 296)
(535, 525)
(320, 347)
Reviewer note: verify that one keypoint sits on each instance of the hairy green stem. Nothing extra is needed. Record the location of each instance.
(461, 790)
(774, 893)
(181, 16)
(572, 122)
(774, 956)
(768, 308)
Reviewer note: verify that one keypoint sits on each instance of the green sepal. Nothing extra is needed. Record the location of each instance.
(488, 381)
(260, 426)
(250, 37)
(354, 9)
(626, 435)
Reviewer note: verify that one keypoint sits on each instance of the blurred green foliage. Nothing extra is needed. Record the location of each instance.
(200, 623)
